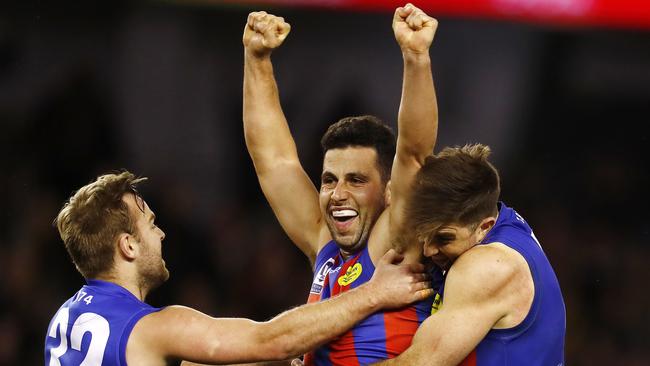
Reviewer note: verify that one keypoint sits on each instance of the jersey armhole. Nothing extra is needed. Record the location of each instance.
(517, 330)
(126, 333)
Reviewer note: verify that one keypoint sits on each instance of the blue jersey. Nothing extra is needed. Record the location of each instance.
(382, 335)
(93, 327)
(539, 339)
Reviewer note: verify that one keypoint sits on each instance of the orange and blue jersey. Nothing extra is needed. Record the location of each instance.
(539, 339)
(382, 335)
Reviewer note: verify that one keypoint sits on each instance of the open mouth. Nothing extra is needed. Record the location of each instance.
(343, 218)
(344, 215)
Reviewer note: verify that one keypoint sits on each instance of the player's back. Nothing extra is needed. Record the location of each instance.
(92, 328)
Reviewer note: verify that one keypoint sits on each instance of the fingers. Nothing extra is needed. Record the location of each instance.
(417, 267)
(414, 17)
(404, 11)
(424, 294)
(421, 277)
(265, 23)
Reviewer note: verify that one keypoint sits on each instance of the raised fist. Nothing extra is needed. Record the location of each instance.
(414, 29)
(264, 32)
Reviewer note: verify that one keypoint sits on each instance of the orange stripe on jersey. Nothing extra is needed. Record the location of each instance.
(470, 360)
(400, 326)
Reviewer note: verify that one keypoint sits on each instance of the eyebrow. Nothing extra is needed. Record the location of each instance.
(356, 175)
(152, 217)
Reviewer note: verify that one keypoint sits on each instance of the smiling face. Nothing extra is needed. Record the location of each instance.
(151, 266)
(351, 195)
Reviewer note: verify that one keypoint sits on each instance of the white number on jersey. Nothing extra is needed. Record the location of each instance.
(87, 322)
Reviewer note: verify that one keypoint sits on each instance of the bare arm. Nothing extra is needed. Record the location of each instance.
(418, 113)
(290, 192)
(264, 363)
(485, 288)
(182, 333)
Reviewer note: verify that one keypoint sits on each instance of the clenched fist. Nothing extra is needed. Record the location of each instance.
(414, 29)
(264, 32)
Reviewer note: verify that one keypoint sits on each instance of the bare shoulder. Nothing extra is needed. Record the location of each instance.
(489, 269)
(152, 328)
(497, 274)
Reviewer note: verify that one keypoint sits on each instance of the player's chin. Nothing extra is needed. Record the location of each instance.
(349, 241)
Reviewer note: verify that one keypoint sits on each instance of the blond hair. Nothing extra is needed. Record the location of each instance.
(91, 220)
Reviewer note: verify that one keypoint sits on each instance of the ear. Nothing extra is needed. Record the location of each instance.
(126, 246)
(387, 194)
(487, 223)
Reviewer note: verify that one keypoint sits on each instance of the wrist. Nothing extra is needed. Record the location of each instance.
(257, 56)
(370, 295)
(416, 57)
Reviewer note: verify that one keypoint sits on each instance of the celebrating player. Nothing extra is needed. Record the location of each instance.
(501, 302)
(113, 240)
(344, 228)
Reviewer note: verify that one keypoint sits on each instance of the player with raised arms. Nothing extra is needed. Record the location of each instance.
(345, 227)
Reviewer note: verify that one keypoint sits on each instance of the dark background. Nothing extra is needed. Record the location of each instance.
(156, 88)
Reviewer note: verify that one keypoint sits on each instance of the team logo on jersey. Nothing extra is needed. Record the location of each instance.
(350, 275)
(437, 303)
(319, 277)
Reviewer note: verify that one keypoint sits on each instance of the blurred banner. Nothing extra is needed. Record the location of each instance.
(609, 13)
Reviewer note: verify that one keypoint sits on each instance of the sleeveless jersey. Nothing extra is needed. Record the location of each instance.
(93, 327)
(382, 335)
(539, 339)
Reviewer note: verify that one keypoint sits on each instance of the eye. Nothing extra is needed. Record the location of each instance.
(328, 181)
(444, 239)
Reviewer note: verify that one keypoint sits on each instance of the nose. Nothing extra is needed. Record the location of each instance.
(340, 193)
(430, 250)
(162, 234)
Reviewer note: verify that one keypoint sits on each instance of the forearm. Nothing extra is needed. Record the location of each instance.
(267, 133)
(418, 124)
(268, 363)
(302, 329)
(418, 113)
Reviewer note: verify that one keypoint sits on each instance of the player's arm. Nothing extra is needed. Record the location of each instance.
(264, 363)
(181, 333)
(482, 287)
(290, 192)
(418, 113)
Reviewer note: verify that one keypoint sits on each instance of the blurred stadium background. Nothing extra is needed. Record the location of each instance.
(560, 89)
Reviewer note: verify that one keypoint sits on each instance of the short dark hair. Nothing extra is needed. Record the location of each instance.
(456, 186)
(363, 131)
(93, 217)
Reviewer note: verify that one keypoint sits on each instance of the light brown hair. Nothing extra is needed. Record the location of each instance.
(456, 186)
(91, 220)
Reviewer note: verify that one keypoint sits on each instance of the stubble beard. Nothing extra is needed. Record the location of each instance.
(353, 245)
(153, 275)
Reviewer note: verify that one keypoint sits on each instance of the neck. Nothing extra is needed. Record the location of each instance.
(138, 291)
